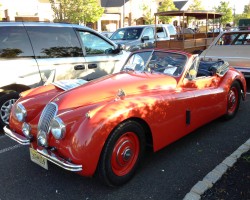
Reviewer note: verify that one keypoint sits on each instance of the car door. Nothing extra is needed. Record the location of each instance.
(101, 56)
(17, 58)
(57, 51)
(209, 99)
(150, 42)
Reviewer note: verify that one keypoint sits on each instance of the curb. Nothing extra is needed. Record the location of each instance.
(212, 177)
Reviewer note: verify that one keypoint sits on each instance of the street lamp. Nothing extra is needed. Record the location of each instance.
(123, 12)
(234, 15)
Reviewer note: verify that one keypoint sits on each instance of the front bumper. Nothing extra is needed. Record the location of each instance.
(49, 155)
(15, 136)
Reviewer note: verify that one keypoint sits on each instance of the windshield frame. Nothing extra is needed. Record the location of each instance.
(154, 61)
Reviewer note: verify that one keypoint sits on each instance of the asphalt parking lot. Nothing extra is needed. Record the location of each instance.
(168, 174)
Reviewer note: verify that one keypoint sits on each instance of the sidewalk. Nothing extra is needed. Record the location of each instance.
(230, 180)
(234, 184)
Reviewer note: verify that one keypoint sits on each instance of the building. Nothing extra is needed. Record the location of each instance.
(122, 13)
(31, 10)
(118, 13)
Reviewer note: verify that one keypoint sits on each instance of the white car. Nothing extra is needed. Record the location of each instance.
(233, 47)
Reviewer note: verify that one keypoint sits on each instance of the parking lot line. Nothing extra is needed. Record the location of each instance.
(10, 148)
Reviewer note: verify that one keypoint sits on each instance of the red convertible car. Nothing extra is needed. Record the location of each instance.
(103, 126)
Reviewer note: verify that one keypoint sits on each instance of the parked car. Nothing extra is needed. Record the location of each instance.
(103, 126)
(165, 31)
(33, 54)
(107, 33)
(133, 38)
(233, 47)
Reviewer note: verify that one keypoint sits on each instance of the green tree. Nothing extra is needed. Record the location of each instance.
(226, 11)
(76, 11)
(237, 18)
(246, 12)
(147, 14)
(196, 5)
(166, 5)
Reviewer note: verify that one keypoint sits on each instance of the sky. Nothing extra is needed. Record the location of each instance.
(238, 4)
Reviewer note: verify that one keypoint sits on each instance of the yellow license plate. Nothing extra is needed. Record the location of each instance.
(38, 158)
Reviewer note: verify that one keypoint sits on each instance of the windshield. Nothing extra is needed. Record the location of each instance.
(126, 34)
(156, 62)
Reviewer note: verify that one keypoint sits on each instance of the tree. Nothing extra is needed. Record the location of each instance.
(196, 5)
(246, 12)
(147, 15)
(76, 11)
(166, 5)
(227, 12)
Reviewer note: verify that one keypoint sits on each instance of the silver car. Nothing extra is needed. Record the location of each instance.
(133, 38)
(33, 54)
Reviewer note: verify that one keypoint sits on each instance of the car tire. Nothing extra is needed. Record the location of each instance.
(6, 103)
(121, 154)
(233, 100)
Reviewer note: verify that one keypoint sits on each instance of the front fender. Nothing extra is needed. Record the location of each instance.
(88, 129)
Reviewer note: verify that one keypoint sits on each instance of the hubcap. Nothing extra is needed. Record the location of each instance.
(5, 110)
(125, 154)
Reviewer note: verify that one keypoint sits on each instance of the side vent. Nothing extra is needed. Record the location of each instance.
(188, 117)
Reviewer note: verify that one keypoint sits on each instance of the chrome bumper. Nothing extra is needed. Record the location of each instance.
(50, 156)
(15, 136)
(58, 161)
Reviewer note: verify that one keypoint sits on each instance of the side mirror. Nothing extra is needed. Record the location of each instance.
(145, 38)
(192, 74)
(121, 47)
(117, 50)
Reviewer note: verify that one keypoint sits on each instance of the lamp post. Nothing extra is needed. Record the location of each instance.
(123, 17)
(234, 15)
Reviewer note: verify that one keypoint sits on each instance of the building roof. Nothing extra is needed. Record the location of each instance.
(199, 14)
(180, 4)
(112, 3)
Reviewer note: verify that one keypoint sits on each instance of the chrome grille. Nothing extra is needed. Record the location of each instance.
(49, 112)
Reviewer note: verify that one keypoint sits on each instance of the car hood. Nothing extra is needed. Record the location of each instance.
(107, 88)
(125, 42)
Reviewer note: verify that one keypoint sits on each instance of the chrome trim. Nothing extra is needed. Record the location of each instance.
(49, 112)
(15, 136)
(58, 161)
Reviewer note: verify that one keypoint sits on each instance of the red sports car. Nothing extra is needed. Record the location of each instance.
(103, 126)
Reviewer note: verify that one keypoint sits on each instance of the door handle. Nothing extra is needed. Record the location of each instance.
(79, 67)
(92, 66)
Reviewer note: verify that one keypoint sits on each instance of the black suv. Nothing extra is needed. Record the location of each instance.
(35, 53)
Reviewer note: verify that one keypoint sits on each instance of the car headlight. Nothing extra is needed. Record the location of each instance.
(26, 130)
(20, 112)
(57, 128)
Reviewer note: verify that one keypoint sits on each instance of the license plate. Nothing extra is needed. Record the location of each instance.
(38, 158)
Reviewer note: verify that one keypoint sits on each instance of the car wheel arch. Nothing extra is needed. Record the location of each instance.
(106, 133)
(242, 88)
(101, 167)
